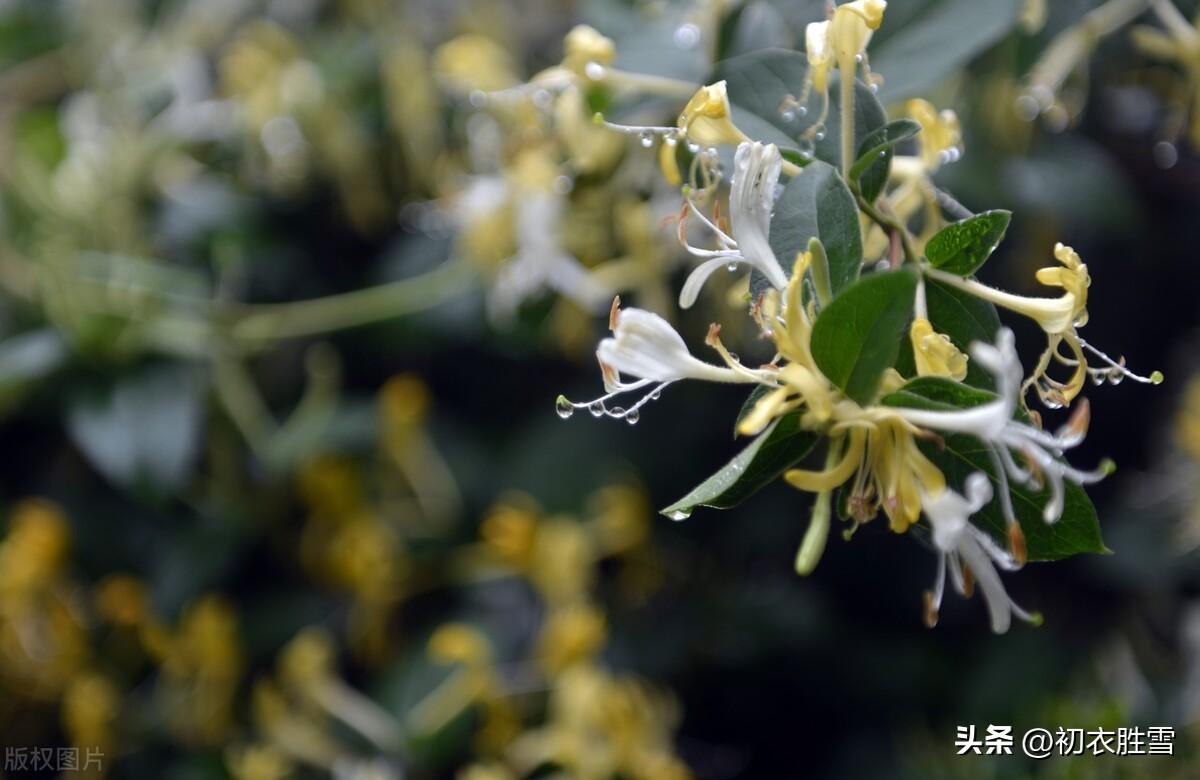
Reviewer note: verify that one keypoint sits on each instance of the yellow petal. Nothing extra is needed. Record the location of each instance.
(828, 479)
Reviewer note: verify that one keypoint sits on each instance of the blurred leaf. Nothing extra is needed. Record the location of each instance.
(28, 357)
(945, 35)
(1077, 531)
(817, 204)
(874, 161)
(144, 431)
(774, 451)
(754, 26)
(857, 336)
(962, 247)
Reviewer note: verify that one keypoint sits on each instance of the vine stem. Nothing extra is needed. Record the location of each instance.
(847, 124)
(276, 321)
(892, 226)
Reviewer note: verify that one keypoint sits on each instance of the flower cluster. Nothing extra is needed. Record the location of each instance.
(839, 329)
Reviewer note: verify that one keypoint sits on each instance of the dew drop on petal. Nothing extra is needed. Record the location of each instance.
(564, 407)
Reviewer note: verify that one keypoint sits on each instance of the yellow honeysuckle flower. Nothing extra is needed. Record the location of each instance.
(940, 138)
(850, 30)
(706, 118)
(934, 353)
(474, 62)
(584, 45)
(571, 634)
(591, 148)
(819, 54)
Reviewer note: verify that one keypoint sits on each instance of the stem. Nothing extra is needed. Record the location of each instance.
(270, 322)
(891, 225)
(847, 112)
(817, 534)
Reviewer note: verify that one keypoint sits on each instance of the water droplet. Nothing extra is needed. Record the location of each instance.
(1027, 108)
(563, 185)
(819, 135)
(732, 267)
(734, 357)
(564, 407)
(679, 514)
(693, 147)
(874, 88)
(1165, 155)
(656, 394)
(687, 35)
(647, 139)
(788, 114)
(595, 71)
(478, 98)
(858, 58)
(596, 408)
(801, 110)
(618, 411)
(632, 416)
(670, 139)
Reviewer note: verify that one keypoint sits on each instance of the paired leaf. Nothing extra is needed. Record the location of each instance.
(962, 247)
(960, 455)
(817, 204)
(857, 336)
(870, 170)
(782, 445)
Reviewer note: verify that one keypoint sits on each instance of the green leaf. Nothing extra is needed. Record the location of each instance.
(1077, 531)
(938, 38)
(817, 204)
(782, 445)
(748, 405)
(857, 336)
(962, 247)
(870, 170)
(143, 432)
(965, 319)
(759, 82)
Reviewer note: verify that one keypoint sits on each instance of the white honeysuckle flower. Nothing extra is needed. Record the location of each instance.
(756, 169)
(540, 262)
(963, 546)
(645, 346)
(993, 424)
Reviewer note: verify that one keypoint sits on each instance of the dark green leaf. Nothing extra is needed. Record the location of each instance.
(782, 445)
(965, 319)
(758, 84)
(857, 336)
(962, 247)
(943, 36)
(874, 161)
(817, 204)
(1077, 531)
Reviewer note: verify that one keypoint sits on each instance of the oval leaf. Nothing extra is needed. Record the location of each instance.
(857, 336)
(782, 445)
(962, 247)
(817, 204)
(870, 171)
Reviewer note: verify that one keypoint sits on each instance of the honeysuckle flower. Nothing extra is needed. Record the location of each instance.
(474, 62)
(1060, 318)
(940, 139)
(756, 169)
(584, 45)
(850, 31)
(934, 353)
(706, 120)
(994, 425)
(819, 53)
(966, 551)
(646, 347)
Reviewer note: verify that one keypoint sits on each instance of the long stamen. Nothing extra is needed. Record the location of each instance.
(598, 407)
(1155, 378)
